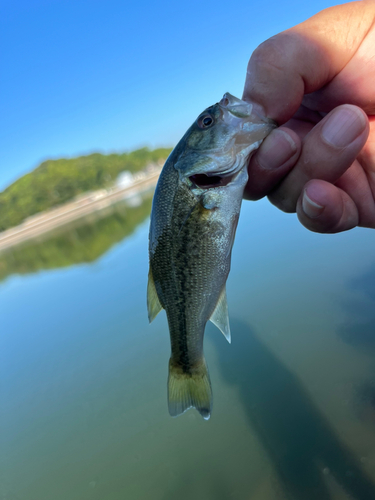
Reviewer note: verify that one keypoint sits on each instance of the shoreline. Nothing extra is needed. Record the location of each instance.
(87, 203)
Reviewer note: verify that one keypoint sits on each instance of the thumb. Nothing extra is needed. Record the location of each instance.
(306, 57)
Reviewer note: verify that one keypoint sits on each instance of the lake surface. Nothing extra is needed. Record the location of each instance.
(84, 399)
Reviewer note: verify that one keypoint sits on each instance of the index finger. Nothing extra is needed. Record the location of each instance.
(305, 58)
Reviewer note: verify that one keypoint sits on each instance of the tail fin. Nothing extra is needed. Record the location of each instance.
(186, 390)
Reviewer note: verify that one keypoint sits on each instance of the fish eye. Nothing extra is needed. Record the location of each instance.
(205, 121)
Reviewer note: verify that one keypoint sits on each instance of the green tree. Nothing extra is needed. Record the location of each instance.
(55, 182)
(84, 240)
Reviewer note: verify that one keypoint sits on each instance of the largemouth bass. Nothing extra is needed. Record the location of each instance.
(194, 217)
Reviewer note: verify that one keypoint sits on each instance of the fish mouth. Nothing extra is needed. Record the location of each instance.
(235, 106)
(213, 180)
(239, 109)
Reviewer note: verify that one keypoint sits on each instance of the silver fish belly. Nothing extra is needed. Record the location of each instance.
(194, 217)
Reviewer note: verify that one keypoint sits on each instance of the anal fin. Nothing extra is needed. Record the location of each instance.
(220, 316)
(153, 302)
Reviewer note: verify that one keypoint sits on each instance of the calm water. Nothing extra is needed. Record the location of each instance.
(84, 376)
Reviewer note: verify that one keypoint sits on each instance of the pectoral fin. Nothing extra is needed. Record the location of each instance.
(153, 302)
(220, 315)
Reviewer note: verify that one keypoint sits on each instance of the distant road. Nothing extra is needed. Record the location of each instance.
(84, 205)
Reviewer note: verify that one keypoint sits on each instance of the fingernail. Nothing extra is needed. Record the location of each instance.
(311, 208)
(343, 126)
(276, 150)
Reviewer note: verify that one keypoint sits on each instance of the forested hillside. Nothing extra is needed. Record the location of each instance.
(82, 241)
(57, 181)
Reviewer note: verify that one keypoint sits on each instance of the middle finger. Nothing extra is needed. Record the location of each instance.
(328, 150)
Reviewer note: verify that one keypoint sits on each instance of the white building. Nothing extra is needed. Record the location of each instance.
(124, 180)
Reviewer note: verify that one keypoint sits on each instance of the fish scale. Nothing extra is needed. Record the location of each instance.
(193, 222)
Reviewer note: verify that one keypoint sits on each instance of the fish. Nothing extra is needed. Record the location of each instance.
(194, 217)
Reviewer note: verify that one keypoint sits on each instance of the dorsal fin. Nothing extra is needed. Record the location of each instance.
(220, 315)
(153, 302)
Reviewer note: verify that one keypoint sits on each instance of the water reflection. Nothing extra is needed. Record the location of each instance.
(304, 449)
(215, 487)
(359, 331)
(83, 241)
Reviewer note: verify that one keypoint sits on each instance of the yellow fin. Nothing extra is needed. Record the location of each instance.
(189, 390)
(153, 302)
(220, 316)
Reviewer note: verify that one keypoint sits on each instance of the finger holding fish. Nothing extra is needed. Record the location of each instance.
(276, 157)
(325, 151)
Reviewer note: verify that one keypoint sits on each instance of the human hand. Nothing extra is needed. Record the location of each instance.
(317, 80)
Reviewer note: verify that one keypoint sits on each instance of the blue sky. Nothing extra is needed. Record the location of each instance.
(79, 76)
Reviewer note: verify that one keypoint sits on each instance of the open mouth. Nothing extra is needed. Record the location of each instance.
(210, 181)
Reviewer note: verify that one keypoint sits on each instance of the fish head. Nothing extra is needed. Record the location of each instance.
(219, 143)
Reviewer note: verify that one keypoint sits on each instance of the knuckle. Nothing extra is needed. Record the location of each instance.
(268, 54)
